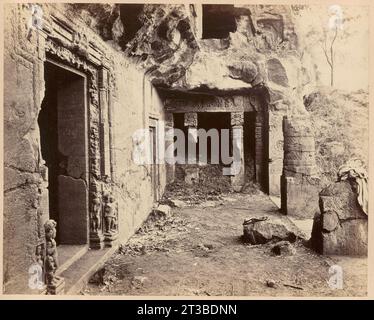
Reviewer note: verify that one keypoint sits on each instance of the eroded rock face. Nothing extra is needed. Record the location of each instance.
(342, 227)
(266, 229)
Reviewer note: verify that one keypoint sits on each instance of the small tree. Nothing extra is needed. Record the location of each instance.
(328, 27)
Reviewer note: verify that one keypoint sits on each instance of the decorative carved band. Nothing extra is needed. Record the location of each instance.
(190, 119)
(237, 119)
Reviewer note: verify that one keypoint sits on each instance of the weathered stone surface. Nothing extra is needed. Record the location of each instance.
(276, 72)
(350, 238)
(244, 70)
(342, 227)
(299, 196)
(265, 229)
(330, 221)
(299, 182)
(339, 198)
(73, 210)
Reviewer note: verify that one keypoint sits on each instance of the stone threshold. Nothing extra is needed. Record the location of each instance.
(79, 270)
(68, 254)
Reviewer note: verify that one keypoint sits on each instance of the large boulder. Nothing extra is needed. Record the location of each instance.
(265, 229)
(342, 227)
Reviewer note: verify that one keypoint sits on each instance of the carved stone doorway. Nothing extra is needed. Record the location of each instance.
(64, 147)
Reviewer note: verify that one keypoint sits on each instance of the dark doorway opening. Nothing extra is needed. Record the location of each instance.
(63, 135)
(214, 120)
(155, 173)
(218, 21)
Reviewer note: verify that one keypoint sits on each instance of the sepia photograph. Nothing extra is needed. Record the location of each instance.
(185, 150)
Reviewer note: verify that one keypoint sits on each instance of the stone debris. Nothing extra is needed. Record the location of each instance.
(282, 248)
(138, 281)
(265, 229)
(175, 203)
(270, 283)
(342, 227)
(98, 277)
(162, 211)
(156, 234)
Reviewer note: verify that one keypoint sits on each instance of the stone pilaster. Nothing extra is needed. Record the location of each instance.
(169, 147)
(299, 180)
(237, 122)
(104, 122)
(259, 146)
(191, 169)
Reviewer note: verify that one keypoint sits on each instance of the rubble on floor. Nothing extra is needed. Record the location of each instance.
(211, 190)
(158, 232)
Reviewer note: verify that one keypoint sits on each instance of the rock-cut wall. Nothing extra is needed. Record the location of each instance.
(120, 100)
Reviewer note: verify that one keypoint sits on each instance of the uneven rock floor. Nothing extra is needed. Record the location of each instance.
(198, 252)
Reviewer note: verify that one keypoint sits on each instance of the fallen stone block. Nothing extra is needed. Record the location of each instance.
(341, 228)
(265, 229)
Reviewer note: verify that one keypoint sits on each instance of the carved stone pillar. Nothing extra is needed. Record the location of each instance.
(104, 122)
(191, 168)
(299, 180)
(259, 145)
(169, 147)
(237, 122)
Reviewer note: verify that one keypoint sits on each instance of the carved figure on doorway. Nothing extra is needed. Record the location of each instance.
(51, 260)
(110, 213)
(96, 214)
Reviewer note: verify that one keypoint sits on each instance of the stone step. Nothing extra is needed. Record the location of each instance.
(68, 254)
(78, 273)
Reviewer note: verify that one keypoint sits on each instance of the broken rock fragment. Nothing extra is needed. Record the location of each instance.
(162, 211)
(178, 203)
(283, 248)
(341, 227)
(265, 229)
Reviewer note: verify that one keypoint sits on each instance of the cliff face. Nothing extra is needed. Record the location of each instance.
(200, 48)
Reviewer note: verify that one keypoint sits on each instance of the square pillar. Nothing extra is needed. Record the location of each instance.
(169, 147)
(191, 168)
(236, 122)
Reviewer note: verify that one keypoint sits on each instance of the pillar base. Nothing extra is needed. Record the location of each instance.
(110, 239)
(57, 287)
(299, 196)
(96, 241)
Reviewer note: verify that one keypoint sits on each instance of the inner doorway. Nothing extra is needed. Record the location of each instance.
(64, 147)
(155, 174)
